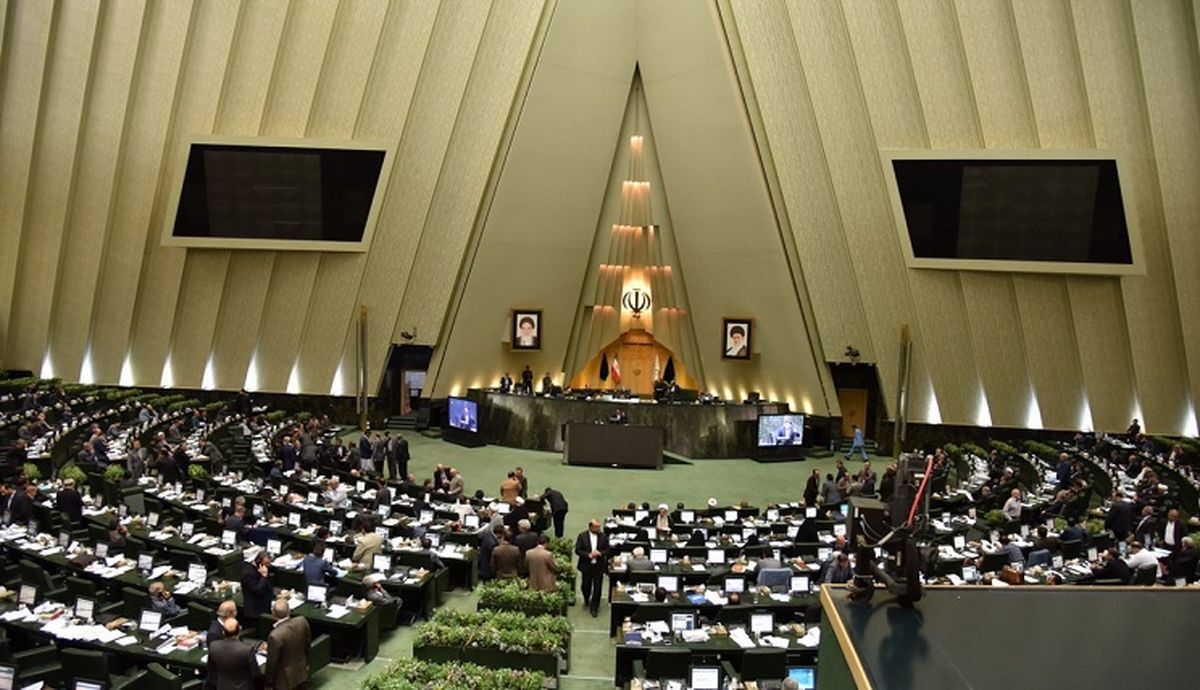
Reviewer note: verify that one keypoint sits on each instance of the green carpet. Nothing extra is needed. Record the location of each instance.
(591, 492)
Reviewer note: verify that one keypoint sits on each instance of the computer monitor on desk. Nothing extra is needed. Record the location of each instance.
(669, 582)
(8, 677)
(762, 622)
(658, 555)
(150, 621)
(805, 676)
(683, 621)
(705, 678)
(316, 594)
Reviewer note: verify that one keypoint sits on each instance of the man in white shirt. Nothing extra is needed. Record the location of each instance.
(1012, 507)
(335, 495)
(1140, 557)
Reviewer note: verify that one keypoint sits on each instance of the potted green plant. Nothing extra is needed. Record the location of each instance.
(74, 473)
(994, 518)
(415, 674)
(32, 472)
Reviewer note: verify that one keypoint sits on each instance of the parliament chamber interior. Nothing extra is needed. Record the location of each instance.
(556, 344)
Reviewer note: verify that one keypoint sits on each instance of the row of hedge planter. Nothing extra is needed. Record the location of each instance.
(515, 595)
(414, 674)
(496, 639)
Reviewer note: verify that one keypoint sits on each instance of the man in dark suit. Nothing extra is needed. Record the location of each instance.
(20, 507)
(225, 610)
(1183, 563)
(525, 540)
(487, 544)
(402, 457)
(591, 546)
(1120, 518)
(70, 503)
(557, 505)
(1147, 529)
(232, 663)
(1173, 531)
(1112, 568)
(287, 650)
(288, 454)
(257, 591)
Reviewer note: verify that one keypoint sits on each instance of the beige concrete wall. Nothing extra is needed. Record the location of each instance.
(506, 117)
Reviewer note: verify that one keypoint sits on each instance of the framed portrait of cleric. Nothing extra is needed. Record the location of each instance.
(526, 329)
(736, 334)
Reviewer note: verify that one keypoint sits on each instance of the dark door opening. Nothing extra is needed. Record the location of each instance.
(859, 398)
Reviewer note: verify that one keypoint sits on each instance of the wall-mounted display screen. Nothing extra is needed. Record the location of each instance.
(295, 196)
(1035, 213)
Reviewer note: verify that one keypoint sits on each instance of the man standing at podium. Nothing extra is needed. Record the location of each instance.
(591, 547)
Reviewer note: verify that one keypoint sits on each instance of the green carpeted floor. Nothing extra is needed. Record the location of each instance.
(591, 492)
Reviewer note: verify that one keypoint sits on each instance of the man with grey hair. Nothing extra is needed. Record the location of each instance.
(525, 540)
(287, 649)
(639, 562)
(379, 596)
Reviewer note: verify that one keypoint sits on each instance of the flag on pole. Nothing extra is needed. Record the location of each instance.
(616, 370)
(655, 367)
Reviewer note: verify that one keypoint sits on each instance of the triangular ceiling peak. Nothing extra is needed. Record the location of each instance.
(634, 280)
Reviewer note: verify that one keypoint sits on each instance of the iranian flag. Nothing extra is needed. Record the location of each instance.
(616, 370)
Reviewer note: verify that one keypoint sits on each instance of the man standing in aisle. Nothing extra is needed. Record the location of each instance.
(557, 505)
(287, 650)
(591, 547)
(858, 444)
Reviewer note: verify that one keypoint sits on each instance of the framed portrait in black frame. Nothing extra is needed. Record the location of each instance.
(526, 329)
(735, 335)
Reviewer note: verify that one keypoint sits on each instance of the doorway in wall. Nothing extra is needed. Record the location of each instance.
(403, 387)
(859, 398)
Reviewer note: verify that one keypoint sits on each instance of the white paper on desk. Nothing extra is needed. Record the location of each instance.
(955, 579)
(695, 636)
(640, 597)
(741, 639)
(336, 611)
(781, 597)
(52, 551)
(714, 597)
(167, 648)
(658, 627)
(773, 641)
(179, 630)
(126, 640)
(696, 567)
(158, 571)
(17, 614)
(196, 538)
(34, 686)
(105, 635)
(295, 602)
(811, 638)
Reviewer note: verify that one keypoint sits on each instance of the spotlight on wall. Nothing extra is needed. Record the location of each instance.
(852, 354)
(409, 337)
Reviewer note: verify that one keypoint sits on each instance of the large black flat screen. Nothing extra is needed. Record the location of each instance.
(277, 193)
(1014, 210)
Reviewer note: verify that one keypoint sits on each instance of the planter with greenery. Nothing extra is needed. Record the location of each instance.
(414, 674)
(515, 595)
(496, 639)
(198, 474)
(994, 518)
(74, 473)
(32, 472)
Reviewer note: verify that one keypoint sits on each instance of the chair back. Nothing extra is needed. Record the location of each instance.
(199, 616)
(668, 663)
(1145, 576)
(159, 678)
(85, 664)
(1038, 557)
(764, 664)
(1072, 549)
(775, 577)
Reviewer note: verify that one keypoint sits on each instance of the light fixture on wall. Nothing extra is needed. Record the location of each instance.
(636, 301)
(409, 337)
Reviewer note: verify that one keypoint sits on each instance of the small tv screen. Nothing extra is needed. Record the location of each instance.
(260, 192)
(780, 430)
(464, 414)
